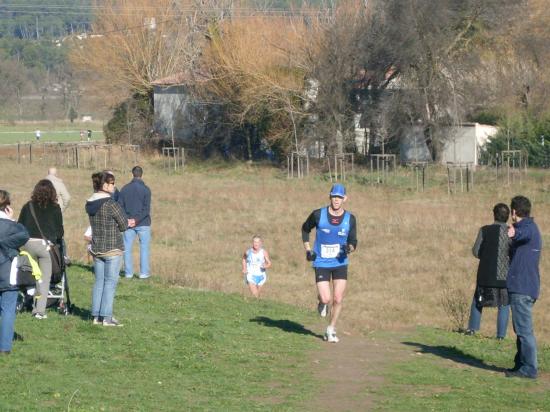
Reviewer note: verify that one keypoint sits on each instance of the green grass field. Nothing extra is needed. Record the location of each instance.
(453, 372)
(178, 350)
(50, 132)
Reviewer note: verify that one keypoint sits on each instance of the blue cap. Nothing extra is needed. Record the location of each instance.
(338, 190)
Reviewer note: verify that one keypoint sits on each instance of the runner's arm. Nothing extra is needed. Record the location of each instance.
(311, 222)
(352, 237)
(244, 262)
(267, 263)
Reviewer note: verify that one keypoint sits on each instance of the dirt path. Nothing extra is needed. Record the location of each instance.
(352, 368)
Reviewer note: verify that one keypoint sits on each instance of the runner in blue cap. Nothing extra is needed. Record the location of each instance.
(335, 239)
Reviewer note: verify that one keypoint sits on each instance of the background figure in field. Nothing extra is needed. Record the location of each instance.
(492, 248)
(108, 222)
(335, 239)
(63, 200)
(524, 285)
(135, 200)
(255, 262)
(63, 195)
(12, 236)
(49, 221)
(37, 135)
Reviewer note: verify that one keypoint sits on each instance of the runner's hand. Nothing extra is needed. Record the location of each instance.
(311, 256)
(349, 248)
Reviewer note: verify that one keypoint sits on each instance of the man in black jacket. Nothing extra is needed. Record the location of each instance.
(135, 199)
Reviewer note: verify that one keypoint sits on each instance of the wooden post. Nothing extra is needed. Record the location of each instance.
(18, 153)
(448, 180)
(423, 177)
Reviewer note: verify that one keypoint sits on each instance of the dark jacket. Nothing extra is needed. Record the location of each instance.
(523, 275)
(108, 221)
(492, 248)
(49, 218)
(12, 236)
(135, 200)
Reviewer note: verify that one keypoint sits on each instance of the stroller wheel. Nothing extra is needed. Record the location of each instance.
(20, 305)
(63, 308)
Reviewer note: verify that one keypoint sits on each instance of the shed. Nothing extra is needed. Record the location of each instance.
(463, 143)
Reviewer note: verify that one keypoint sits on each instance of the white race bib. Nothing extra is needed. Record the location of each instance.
(330, 251)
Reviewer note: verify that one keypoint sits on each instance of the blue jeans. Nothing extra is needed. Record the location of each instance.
(144, 234)
(502, 318)
(8, 301)
(525, 360)
(106, 271)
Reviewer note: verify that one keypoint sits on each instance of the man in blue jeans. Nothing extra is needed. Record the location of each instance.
(523, 285)
(135, 199)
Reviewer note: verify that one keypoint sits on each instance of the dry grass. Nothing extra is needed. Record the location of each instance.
(411, 246)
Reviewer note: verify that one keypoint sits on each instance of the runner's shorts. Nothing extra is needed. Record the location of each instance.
(257, 280)
(325, 274)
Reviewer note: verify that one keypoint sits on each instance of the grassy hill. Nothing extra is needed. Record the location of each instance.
(178, 350)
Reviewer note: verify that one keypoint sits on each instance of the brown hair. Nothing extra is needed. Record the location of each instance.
(4, 199)
(44, 193)
(100, 178)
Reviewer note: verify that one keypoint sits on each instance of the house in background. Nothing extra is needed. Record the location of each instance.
(413, 147)
(175, 109)
(463, 143)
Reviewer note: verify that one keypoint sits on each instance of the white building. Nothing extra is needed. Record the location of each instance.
(463, 143)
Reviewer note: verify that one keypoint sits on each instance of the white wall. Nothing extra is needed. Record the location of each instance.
(463, 143)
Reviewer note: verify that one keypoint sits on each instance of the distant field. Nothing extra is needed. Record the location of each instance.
(50, 131)
(413, 247)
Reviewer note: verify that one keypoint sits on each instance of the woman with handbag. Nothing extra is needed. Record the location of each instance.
(108, 222)
(42, 218)
(12, 236)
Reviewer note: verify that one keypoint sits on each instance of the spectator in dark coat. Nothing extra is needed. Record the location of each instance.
(492, 247)
(135, 199)
(12, 236)
(48, 222)
(524, 285)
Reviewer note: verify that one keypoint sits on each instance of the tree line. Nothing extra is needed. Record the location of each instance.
(277, 80)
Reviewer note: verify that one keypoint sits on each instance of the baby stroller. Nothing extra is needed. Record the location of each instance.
(58, 292)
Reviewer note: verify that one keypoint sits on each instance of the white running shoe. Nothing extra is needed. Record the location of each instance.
(322, 308)
(330, 335)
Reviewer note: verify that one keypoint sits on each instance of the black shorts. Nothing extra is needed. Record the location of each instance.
(325, 274)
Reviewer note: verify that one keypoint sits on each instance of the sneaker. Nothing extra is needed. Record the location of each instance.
(40, 316)
(97, 321)
(111, 322)
(144, 276)
(128, 276)
(470, 332)
(322, 308)
(330, 335)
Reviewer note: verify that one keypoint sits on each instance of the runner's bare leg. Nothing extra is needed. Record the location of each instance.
(323, 290)
(337, 303)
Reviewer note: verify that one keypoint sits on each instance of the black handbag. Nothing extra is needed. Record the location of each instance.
(58, 262)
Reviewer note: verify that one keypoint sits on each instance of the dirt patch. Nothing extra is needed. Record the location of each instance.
(351, 371)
